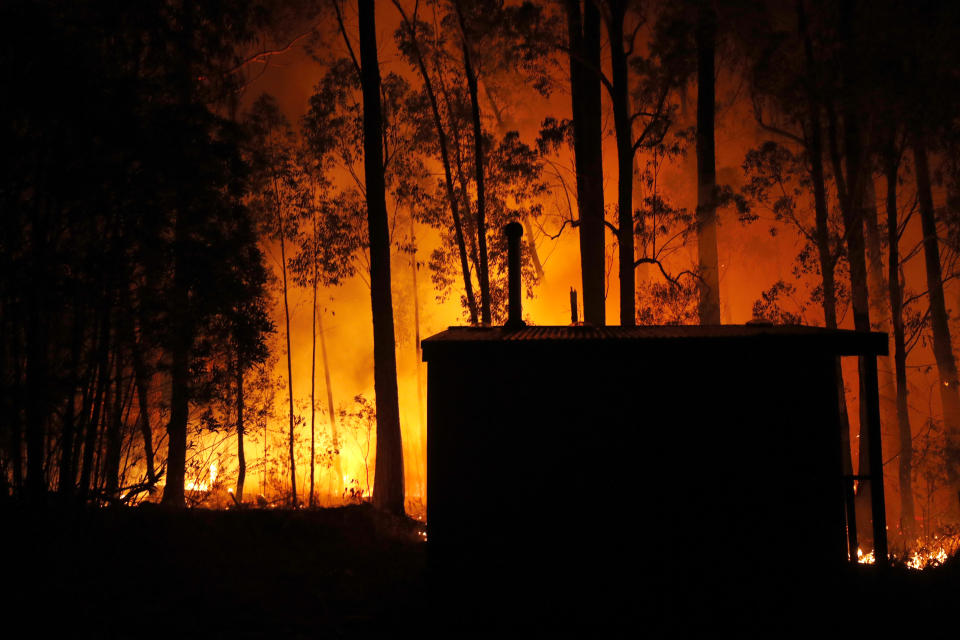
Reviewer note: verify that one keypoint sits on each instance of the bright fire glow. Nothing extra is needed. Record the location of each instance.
(203, 485)
(932, 553)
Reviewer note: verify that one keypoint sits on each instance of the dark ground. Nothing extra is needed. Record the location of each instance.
(353, 572)
(147, 572)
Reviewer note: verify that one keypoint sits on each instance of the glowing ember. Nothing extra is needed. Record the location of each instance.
(929, 554)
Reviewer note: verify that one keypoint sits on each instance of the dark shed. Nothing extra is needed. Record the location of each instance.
(569, 461)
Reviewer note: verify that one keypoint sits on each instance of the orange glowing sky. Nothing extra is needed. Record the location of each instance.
(751, 259)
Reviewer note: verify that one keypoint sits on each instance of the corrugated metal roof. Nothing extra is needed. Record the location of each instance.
(839, 341)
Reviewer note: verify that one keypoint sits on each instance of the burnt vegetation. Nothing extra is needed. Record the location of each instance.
(225, 228)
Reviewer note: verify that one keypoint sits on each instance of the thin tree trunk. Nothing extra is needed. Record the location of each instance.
(334, 436)
(824, 249)
(584, 42)
(484, 276)
(468, 227)
(939, 322)
(143, 383)
(908, 518)
(879, 299)
(37, 394)
(114, 445)
(181, 343)
(286, 313)
(879, 309)
(709, 306)
(388, 491)
(66, 473)
(619, 96)
(445, 160)
(241, 457)
(16, 443)
(313, 369)
(416, 316)
(850, 187)
(102, 375)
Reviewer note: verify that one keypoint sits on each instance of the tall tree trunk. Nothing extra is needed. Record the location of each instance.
(445, 160)
(879, 299)
(286, 314)
(388, 490)
(332, 413)
(66, 474)
(418, 354)
(313, 369)
(416, 316)
(706, 34)
(879, 309)
(939, 322)
(584, 41)
(824, 249)
(469, 229)
(142, 380)
(16, 412)
(180, 348)
(114, 433)
(483, 275)
(37, 391)
(907, 512)
(241, 457)
(851, 175)
(619, 95)
(93, 424)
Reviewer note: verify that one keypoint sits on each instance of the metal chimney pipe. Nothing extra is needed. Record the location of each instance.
(514, 232)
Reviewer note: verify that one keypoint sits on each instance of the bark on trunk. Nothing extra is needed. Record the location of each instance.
(388, 490)
(584, 41)
(939, 323)
(709, 306)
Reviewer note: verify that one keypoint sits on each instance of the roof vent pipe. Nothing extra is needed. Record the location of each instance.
(514, 232)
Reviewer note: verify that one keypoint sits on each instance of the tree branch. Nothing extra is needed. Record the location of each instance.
(346, 39)
(675, 281)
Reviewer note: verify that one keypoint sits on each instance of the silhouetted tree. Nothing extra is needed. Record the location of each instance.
(583, 40)
(388, 489)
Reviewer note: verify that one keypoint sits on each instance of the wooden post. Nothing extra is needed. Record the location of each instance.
(878, 505)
